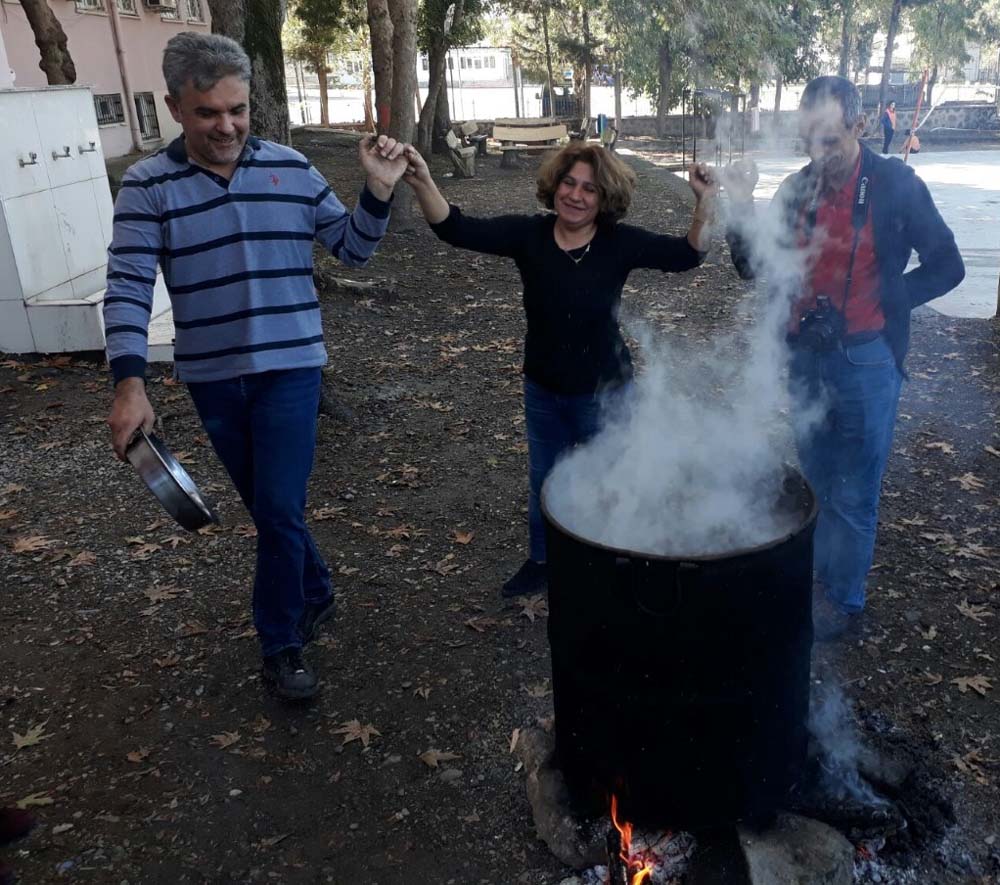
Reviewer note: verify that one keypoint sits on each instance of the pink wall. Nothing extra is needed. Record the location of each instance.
(89, 38)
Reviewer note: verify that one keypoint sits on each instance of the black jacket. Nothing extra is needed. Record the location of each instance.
(904, 219)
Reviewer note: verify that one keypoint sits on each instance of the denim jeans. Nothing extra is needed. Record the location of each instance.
(554, 423)
(844, 413)
(263, 428)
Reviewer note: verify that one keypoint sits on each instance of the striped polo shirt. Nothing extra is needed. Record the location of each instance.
(237, 260)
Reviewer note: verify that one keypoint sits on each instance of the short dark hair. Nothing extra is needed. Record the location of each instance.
(838, 89)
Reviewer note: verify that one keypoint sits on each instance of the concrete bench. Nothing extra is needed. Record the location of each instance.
(462, 158)
(469, 133)
(518, 136)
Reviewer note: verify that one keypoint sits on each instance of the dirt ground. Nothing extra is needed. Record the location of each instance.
(134, 718)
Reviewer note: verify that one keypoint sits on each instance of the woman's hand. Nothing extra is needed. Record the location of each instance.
(417, 173)
(702, 181)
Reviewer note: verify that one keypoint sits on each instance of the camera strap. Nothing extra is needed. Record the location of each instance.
(859, 215)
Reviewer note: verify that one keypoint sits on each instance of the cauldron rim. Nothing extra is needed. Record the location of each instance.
(790, 473)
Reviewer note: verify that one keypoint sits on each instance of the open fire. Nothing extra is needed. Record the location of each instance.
(623, 869)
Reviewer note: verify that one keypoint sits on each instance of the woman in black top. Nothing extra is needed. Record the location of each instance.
(573, 264)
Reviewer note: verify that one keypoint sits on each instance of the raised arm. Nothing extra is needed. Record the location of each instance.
(128, 302)
(353, 237)
(500, 235)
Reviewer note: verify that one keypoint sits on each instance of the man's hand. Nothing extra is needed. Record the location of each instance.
(383, 161)
(739, 179)
(129, 411)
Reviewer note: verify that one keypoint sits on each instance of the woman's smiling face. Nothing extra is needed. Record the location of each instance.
(577, 200)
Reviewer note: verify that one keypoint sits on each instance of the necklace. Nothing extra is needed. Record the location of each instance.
(572, 258)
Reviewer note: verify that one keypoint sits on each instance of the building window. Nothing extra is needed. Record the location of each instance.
(145, 107)
(90, 5)
(492, 61)
(478, 62)
(194, 11)
(423, 64)
(463, 63)
(170, 15)
(126, 7)
(109, 109)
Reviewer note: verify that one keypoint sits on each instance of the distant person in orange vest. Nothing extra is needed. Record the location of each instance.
(888, 125)
(911, 142)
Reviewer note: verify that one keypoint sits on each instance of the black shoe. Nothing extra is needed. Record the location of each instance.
(315, 615)
(291, 677)
(831, 622)
(530, 578)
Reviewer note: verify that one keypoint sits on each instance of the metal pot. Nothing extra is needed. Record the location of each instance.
(169, 481)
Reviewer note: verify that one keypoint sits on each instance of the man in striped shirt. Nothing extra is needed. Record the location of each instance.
(231, 221)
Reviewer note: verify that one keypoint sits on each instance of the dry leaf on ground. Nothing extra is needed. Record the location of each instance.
(969, 482)
(972, 763)
(353, 730)
(226, 739)
(34, 735)
(978, 683)
(35, 800)
(84, 557)
(140, 755)
(31, 544)
(534, 607)
(975, 612)
(460, 537)
(431, 758)
(947, 448)
(515, 736)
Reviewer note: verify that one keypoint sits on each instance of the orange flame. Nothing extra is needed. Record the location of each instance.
(639, 872)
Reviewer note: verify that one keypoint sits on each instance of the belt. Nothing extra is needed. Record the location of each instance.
(848, 340)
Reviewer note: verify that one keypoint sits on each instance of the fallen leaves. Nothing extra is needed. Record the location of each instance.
(975, 612)
(353, 730)
(12, 488)
(972, 763)
(969, 482)
(7, 515)
(993, 451)
(84, 557)
(138, 756)
(946, 448)
(31, 544)
(533, 607)
(481, 625)
(162, 593)
(324, 513)
(432, 758)
(167, 662)
(33, 736)
(460, 537)
(35, 800)
(515, 736)
(978, 683)
(226, 740)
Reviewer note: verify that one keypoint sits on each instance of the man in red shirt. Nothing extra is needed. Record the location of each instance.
(847, 225)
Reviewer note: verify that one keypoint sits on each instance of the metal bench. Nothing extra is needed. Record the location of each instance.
(521, 135)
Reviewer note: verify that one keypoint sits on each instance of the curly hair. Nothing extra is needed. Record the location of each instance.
(614, 180)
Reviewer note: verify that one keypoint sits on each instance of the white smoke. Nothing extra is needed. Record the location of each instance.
(693, 464)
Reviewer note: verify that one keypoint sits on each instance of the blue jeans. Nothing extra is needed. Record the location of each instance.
(263, 428)
(844, 413)
(554, 423)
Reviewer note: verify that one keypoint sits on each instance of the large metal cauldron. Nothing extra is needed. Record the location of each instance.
(682, 686)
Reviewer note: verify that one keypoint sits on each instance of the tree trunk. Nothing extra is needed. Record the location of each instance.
(846, 32)
(779, 81)
(588, 67)
(442, 122)
(380, 28)
(618, 94)
(256, 24)
(50, 38)
(755, 94)
(665, 72)
(324, 95)
(437, 69)
(548, 58)
(890, 38)
(404, 68)
(931, 83)
(366, 85)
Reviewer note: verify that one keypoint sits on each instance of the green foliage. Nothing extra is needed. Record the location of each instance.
(941, 32)
(314, 28)
(433, 14)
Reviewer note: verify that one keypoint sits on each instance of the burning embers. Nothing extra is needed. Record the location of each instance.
(622, 868)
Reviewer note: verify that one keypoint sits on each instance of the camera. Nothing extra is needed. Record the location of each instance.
(823, 327)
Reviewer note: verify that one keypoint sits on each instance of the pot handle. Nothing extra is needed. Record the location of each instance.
(671, 596)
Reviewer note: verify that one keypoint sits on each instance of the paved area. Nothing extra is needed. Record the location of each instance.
(966, 189)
